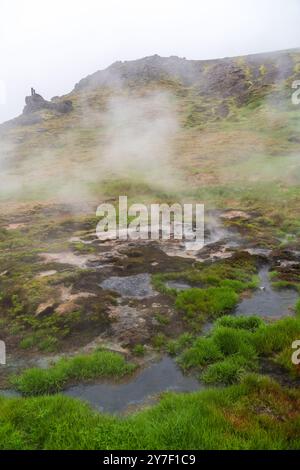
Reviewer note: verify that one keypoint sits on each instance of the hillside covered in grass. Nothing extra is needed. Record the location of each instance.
(146, 127)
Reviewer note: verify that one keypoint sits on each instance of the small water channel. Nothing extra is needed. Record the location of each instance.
(165, 375)
(268, 302)
(158, 377)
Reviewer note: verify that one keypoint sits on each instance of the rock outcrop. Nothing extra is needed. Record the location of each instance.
(36, 102)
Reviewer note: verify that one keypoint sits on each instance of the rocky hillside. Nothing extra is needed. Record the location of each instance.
(218, 124)
(238, 79)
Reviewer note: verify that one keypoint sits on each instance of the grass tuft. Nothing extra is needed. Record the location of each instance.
(100, 364)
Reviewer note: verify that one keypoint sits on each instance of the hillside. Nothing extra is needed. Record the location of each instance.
(214, 123)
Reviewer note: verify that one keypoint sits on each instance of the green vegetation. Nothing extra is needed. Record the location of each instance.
(256, 414)
(23, 291)
(159, 341)
(162, 319)
(238, 273)
(206, 303)
(100, 364)
(216, 291)
(139, 350)
(175, 346)
(228, 371)
(297, 308)
(235, 345)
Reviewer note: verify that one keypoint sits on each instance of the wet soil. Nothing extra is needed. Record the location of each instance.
(110, 283)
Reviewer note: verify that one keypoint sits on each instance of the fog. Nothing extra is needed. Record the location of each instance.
(132, 137)
(51, 45)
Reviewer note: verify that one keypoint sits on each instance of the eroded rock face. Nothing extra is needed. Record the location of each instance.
(37, 103)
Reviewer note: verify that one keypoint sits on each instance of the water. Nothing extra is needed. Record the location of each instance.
(138, 286)
(148, 384)
(10, 393)
(268, 302)
(179, 285)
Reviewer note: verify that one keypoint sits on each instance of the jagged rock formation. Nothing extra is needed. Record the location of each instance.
(36, 102)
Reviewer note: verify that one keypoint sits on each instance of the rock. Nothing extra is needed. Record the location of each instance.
(65, 308)
(45, 309)
(38, 103)
(51, 272)
(235, 214)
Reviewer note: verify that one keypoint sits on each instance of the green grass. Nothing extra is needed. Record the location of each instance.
(235, 345)
(297, 308)
(206, 303)
(215, 288)
(286, 285)
(255, 414)
(139, 350)
(244, 323)
(227, 371)
(162, 319)
(175, 346)
(204, 351)
(100, 364)
(159, 341)
(238, 273)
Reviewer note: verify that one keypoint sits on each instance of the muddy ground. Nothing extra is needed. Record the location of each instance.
(64, 291)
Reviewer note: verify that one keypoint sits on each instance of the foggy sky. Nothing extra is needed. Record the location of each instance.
(51, 45)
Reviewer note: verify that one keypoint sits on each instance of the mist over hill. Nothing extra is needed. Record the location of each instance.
(160, 121)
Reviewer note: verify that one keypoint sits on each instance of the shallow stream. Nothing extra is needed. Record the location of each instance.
(158, 377)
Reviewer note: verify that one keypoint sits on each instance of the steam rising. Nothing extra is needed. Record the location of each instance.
(213, 133)
(140, 133)
(129, 137)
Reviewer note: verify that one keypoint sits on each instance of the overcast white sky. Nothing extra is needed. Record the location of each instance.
(52, 44)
